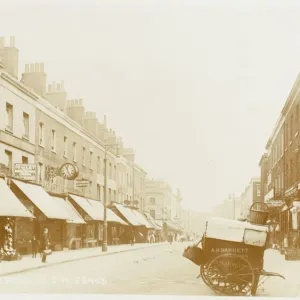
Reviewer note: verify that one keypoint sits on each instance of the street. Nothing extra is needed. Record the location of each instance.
(160, 270)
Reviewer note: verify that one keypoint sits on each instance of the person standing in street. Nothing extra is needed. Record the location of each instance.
(132, 238)
(34, 246)
(45, 245)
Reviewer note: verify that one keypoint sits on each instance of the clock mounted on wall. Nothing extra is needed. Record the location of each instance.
(68, 171)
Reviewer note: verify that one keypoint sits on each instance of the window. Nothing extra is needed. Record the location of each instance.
(83, 156)
(109, 195)
(40, 172)
(90, 187)
(24, 160)
(53, 140)
(99, 164)
(74, 154)
(8, 155)
(65, 146)
(115, 173)
(115, 196)
(98, 191)
(258, 190)
(91, 160)
(152, 213)
(9, 117)
(41, 134)
(25, 125)
(152, 200)
(110, 170)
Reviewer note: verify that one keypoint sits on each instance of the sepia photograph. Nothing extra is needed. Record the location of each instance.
(150, 148)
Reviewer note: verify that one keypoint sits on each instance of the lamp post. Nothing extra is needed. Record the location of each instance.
(106, 147)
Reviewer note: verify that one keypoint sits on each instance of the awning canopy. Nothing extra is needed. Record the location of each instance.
(143, 220)
(95, 209)
(10, 205)
(128, 214)
(171, 225)
(152, 221)
(40, 198)
(74, 216)
(86, 206)
(110, 215)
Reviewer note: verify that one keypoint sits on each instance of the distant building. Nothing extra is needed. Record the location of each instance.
(229, 208)
(251, 195)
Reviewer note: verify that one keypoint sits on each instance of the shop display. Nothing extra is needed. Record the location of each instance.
(9, 252)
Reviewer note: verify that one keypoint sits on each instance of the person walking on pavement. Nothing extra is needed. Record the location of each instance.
(45, 245)
(34, 246)
(132, 238)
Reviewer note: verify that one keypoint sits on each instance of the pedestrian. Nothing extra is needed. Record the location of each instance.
(45, 245)
(132, 238)
(34, 246)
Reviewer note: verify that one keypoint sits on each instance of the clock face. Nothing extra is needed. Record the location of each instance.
(68, 171)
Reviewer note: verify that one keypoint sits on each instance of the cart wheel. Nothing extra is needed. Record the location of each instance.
(230, 275)
(203, 273)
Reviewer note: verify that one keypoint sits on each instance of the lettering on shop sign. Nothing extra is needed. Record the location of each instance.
(229, 250)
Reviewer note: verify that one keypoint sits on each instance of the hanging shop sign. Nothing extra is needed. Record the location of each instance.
(273, 202)
(25, 171)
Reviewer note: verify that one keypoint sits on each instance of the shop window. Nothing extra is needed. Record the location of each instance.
(152, 200)
(152, 213)
(90, 231)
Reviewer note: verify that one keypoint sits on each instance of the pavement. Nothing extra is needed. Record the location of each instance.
(58, 257)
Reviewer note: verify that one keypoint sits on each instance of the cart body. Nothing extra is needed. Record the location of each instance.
(233, 256)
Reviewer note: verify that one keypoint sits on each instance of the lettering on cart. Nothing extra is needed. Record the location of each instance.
(229, 250)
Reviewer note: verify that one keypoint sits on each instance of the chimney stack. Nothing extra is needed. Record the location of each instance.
(57, 96)
(10, 56)
(35, 78)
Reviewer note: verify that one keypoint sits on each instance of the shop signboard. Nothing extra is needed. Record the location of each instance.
(272, 202)
(25, 171)
(82, 183)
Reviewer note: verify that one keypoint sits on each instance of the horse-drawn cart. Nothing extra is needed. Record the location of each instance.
(231, 257)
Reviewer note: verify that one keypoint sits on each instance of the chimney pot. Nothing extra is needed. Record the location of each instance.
(31, 68)
(12, 41)
(37, 68)
(2, 40)
(49, 88)
(27, 68)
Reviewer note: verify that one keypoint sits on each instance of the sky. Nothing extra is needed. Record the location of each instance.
(195, 87)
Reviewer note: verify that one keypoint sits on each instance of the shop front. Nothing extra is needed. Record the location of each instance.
(48, 214)
(92, 211)
(12, 211)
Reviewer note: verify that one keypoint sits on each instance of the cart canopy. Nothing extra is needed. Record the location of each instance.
(237, 231)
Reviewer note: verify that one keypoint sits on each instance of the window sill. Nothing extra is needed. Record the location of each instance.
(26, 138)
(53, 151)
(9, 130)
(291, 142)
(41, 145)
(296, 134)
(65, 156)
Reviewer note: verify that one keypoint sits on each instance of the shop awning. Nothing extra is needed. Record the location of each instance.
(152, 221)
(40, 198)
(171, 225)
(128, 214)
(142, 219)
(10, 205)
(74, 216)
(110, 215)
(87, 207)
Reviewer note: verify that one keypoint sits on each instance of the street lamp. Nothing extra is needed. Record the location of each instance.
(106, 147)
